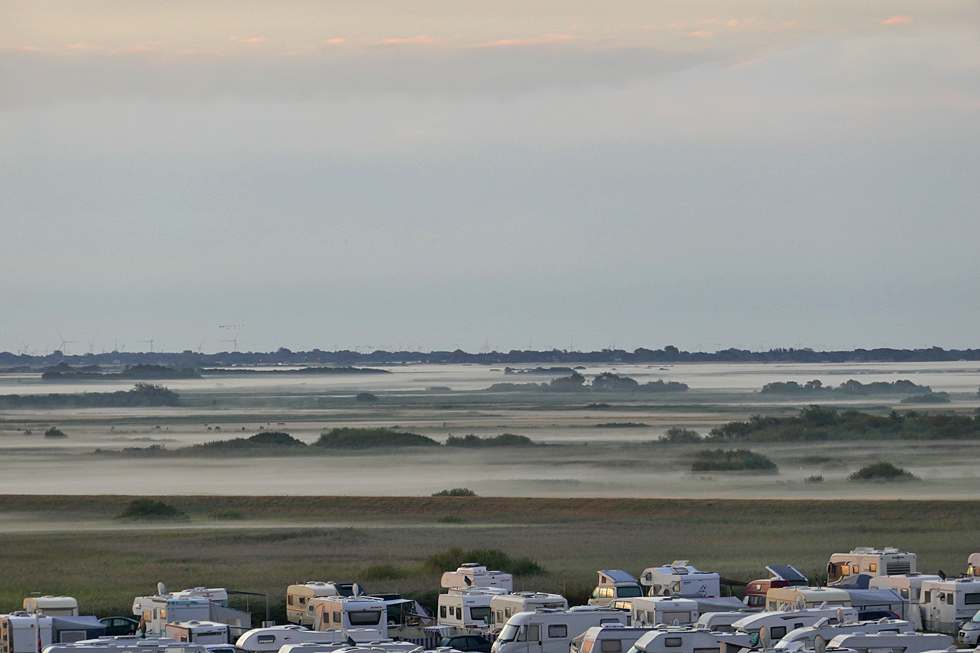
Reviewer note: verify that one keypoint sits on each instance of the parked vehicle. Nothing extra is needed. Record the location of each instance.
(273, 638)
(798, 597)
(551, 631)
(680, 579)
(879, 604)
(297, 596)
(466, 643)
(197, 604)
(844, 567)
(969, 633)
(687, 640)
(505, 606)
(52, 606)
(948, 604)
(720, 622)
(126, 645)
(466, 608)
(779, 576)
(608, 638)
(199, 632)
(657, 610)
(347, 612)
(376, 646)
(473, 574)
(119, 626)
(799, 639)
(615, 584)
(890, 642)
(26, 633)
(779, 623)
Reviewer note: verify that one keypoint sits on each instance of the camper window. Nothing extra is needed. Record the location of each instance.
(926, 596)
(534, 633)
(442, 612)
(673, 642)
(335, 618)
(163, 613)
(611, 646)
(302, 600)
(557, 631)
(950, 599)
(479, 614)
(266, 639)
(972, 599)
(873, 567)
(905, 593)
(777, 632)
(364, 617)
(630, 592)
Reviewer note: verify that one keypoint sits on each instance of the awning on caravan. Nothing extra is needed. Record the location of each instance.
(66, 630)
(891, 600)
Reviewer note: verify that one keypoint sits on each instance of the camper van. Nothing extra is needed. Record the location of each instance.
(777, 624)
(127, 644)
(200, 632)
(779, 576)
(608, 638)
(687, 640)
(505, 606)
(656, 610)
(891, 642)
(843, 568)
(803, 638)
(551, 631)
(680, 579)
(948, 604)
(467, 609)
(473, 574)
(380, 646)
(52, 606)
(26, 633)
(346, 612)
(272, 638)
(615, 584)
(801, 598)
(969, 633)
(198, 604)
(297, 596)
(719, 622)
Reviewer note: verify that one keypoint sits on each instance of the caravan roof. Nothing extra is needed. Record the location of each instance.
(788, 573)
(614, 576)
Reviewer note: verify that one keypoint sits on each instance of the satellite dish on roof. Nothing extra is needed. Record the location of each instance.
(800, 603)
(356, 589)
(764, 638)
(161, 588)
(840, 616)
(819, 644)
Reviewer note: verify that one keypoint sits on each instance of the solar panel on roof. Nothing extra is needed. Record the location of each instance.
(788, 573)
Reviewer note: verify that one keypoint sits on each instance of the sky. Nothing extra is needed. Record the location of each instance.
(366, 174)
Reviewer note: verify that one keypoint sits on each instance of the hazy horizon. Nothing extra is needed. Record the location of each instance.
(547, 175)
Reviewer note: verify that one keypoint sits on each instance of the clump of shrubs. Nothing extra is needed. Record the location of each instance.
(732, 460)
(366, 397)
(452, 558)
(151, 510)
(371, 438)
(502, 440)
(816, 478)
(882, 471)
(455, 492)
(55, 432)
(676, 435)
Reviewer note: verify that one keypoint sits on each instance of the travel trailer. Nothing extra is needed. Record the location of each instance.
(272, 638)
(680, 579)
(52, 606)
(803, 638)
(467, 608)
(909, 587)
(381, 646)
(608, 638)
(346, 612)
(657, 610)
(198, 604)
(948, 604)
(779, 576)
(27, 633)
(551, 631)
(127, 644)
(720, 622)
(297, 596)
(800, 598)
(473, 574)
(505, 606)
(615, 584)
(777, 624)
(843, 568)
(687, 640)
(199, 632)
(891, 642)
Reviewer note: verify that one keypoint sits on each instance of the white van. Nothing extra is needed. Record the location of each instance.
(615, 584)
(297, 595)
(680, 579)
(551, 631)
(948, 604)
(892, 642)
(656, 610)
(608, 638)
(778, 624)
(803, 638)
(687, 640)
(969, 633)
(505, 606)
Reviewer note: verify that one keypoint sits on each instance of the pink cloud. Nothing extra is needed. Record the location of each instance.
(554, 37)
(701, 34)
(81, 46)
(255, 40)
(337, 41)
(708, 21)
(421, 39)
(145, 46)
(897, 20)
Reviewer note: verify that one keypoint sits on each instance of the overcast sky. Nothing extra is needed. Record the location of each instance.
(358, 173)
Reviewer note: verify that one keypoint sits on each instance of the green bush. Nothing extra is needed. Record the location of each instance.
(928, 398)
(55, 432)
(502, 440)
(366, 397)
(455, 492)
(452, 558)
(719, 460)
(816, 478)
(882, 471)
(675, 435)
(150, 510)
(364, 438)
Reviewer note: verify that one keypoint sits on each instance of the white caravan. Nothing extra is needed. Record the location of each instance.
(720, 622)
(199, 632)
(467, 608)
(687, 640)
(909, 587)
(551, 631)
(608, 638)
(473, 574)
(657, 610)
(52, 606)
(948, 604)
(273, 638)
(796, 597)
(892, 642)
(297, 596)
(803, 638)
(615, 584)
(777, 624)
(843, 567)
(198, 604)
(385, 645)
(505, 606)
(127, 644)
(680, 579)
(347, 612)
(27, 633)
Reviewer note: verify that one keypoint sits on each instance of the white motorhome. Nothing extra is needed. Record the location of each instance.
(657, 610)
(385, 645)
(505, 606)
(27, 633)
(473, 574)
(615, 584)
(608, 638)
(796, 597)
(551, 631)
(680, 579)
(198, 604)
(126, 645)
(720, 622)
(687, 640)
(909, 587)
(52, 606)
(803, 638)
(272, 638)
(844, 567)
(948, 604)
(297, 595)
(467, 608)
(199, 632)
(347, 612)
(892, 642)
(777, 624)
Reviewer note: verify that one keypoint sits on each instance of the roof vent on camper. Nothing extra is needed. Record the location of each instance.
(863, 549)
(890, 549)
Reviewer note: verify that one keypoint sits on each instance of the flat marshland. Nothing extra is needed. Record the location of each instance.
(73, 545)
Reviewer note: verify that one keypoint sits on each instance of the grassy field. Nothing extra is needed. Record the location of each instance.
(72, 545)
